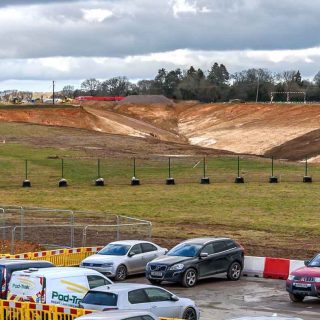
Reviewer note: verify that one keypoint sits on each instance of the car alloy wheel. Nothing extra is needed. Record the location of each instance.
(234, 271)
(189, 314)
(121, 273)
(190, 278)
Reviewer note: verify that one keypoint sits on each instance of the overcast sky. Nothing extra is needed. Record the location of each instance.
(68, 41)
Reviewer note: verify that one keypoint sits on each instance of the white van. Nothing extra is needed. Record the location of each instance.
(61, 286)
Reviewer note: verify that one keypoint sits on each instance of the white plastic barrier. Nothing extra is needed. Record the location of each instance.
(253, 266)
(295, 264)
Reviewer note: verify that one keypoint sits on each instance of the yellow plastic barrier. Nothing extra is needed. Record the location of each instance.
(11, 310)
(60, 258)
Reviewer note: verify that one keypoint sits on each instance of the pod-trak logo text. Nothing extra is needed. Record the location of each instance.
(65, 297)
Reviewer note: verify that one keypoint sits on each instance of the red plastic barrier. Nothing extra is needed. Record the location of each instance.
(276, 268)
(99, 98)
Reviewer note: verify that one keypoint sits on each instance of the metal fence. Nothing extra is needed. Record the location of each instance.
(154, 170)
(56, 228)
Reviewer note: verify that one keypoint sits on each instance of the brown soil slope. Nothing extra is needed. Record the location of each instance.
(247, 128)
(304, 146)
(281, 130)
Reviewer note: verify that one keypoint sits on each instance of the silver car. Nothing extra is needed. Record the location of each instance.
(121, 258)
(119, 315)
(133, 296)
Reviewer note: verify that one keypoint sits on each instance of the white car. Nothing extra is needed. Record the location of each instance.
(121, 258)
(119, 315)
(265, 318)
(132, 296)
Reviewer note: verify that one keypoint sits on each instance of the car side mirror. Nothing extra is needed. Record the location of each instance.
(174, 298)
(306, 262)
(204, 255)
(131, 254)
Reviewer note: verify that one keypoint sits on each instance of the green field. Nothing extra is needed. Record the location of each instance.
(268, 219)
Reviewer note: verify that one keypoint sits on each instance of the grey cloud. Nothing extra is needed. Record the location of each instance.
(144, 26)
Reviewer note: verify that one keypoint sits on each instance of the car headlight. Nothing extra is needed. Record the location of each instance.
(178, 266)
(291, 277)
(317, 279)
(107, 265)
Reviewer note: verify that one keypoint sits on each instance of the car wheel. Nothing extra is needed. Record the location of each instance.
(296, 297)
(234, 271)
(190, 314)
(121, 273)
(189, 278)
(155, 282)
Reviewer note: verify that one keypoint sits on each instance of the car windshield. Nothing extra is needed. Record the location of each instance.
(185, 250)
(113, 249)
(315, 262)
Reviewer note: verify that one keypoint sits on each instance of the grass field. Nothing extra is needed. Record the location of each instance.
(269, 219)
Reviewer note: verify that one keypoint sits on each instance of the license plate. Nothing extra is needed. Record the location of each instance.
(157, 273)
(302, 285)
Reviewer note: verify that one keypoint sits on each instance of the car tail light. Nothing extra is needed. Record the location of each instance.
(241, 247)
(110, 308)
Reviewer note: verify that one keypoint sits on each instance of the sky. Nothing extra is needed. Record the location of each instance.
(71, 40)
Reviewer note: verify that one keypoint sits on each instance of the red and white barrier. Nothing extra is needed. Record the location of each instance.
(273, 268)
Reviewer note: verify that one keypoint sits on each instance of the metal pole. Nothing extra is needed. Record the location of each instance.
(53, 93)
(26, 168)
(62, 173)
(118, 227)
(306, 170)
(272, 166)
(258, 84)
(150, 231)
(12, 240)
(169, 167)
(98, 168)
(204, 167)
(238, 166)
(21, 223)
(134, 167)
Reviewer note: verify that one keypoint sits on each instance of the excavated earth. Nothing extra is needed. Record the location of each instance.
(289, 131)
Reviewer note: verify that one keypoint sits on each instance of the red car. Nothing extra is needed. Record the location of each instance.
(305, 281)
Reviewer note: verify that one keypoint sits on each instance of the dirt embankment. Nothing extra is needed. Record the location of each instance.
(282, 130)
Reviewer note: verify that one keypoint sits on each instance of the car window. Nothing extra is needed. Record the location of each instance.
(208, 249)
(315, 262)
(136, 249)
(101, 298)
(156, 295)
(97, 281)
(148, 247)
(137, 296)
(230, 244)
(218, 246)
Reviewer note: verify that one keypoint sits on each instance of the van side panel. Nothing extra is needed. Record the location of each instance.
(26, 288)
(67, 291)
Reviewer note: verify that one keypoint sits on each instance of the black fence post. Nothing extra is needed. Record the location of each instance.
(134, 180)
(306, 178)
(62, 182)
(26, 182)
(272, 179)
(204, 179)
(99, 180)
(239, 179)
(169, 180)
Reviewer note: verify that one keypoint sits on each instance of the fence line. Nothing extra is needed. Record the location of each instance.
(68, 226)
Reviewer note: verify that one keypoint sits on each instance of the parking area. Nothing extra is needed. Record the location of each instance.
(220, 299)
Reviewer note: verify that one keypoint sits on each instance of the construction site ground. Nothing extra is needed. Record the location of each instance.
(276, 220)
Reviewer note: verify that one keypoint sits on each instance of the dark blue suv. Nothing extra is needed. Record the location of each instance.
(196, 259)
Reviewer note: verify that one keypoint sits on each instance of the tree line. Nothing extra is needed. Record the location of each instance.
(214, 85)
